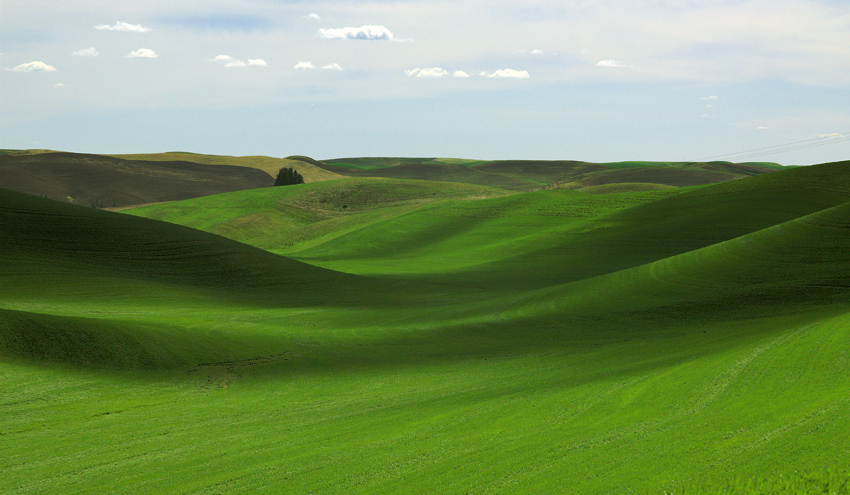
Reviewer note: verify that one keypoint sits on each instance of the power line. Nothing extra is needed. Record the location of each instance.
(783, 148)
(793, 148)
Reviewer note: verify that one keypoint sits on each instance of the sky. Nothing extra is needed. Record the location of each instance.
(603, 81)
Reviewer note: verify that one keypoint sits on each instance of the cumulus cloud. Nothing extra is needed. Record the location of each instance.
(507, 74)
(123, 26)
(59, 85)
(36, 66)
(427, 72)
(313, 16)
(228, 61)
(332, 67)
(304, 66)
(86, 52)
(610, 63)
(460, 73)
(142, 53)
(709, 98)
(370, 33)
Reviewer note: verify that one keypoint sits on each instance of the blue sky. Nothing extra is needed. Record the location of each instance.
(743, 80)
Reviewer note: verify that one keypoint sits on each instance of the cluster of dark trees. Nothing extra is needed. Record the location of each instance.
(288, 176)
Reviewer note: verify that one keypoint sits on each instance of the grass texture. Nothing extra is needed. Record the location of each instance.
(369, 335)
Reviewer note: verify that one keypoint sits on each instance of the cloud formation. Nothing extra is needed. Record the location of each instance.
(507, 74)
(228, 61)
(610, 63)
(304, 66)
(36, 66)
(460, 73)
(333, 66)
(427, 72)
(142, 53)
(369, 33)
(708, 98)
(124, 27)
(86, 52)
(313, 16)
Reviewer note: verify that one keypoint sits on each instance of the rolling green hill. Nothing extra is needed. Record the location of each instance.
(431, 337)
(527, 175)
(282, 218)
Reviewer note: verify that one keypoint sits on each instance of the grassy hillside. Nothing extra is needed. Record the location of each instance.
(282, 219)
(555, 341)
(104, 182)
(267, 164)
(527, 175)
(557, 235)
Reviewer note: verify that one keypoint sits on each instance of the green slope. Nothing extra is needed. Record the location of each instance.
(557, 236)
(42, 235)
(282, 219)
(548, 238)
(710, 347)
(526, 175)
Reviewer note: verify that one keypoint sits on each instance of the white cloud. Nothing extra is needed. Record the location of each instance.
(59, 85)
(508, 74)
(460, 73)
(427, 72)
(332, 67)
(86, 52)
(228, 61)
(371, 33)
(143, 53)
(36, 66)
(537, 51)
(709, 98)
(610, 63)
(313, 16)
(763, 127)
(304, 66)
(123, 26)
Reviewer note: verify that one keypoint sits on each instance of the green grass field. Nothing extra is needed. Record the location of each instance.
(531, 175)
(383, 335)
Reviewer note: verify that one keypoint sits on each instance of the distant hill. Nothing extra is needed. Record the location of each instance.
(526, 175)
(105, 181)
(306, 166)
(132, 179)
